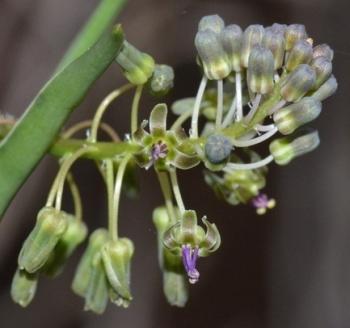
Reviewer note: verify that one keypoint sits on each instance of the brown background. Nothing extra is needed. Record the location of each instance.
(290, 268)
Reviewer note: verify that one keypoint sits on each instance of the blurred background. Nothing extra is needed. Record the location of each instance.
(289, 268)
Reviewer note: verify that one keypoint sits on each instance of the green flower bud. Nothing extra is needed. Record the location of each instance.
(323, 70)
(74, 235)
(214, 59)
(211, 22)
(96, 298)
(137, 66)
(84, 271)
(274, 41)
(23, 287)
(37, 248)
(162, 80)
(252, 36)
(116, 257)
(298, 83)
(278, 28)
(260, 70)
(301, 53)
(218, 149)
(285, 149)
(294, 33)
(323, 50)
(289, 118)
(326, 89)
(231, 39)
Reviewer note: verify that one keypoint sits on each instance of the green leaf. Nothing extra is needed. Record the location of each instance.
(102, 17)
(34, 133)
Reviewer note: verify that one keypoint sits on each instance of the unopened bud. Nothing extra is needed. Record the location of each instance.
(285, 149)
(301, 53)
(252, 36)
(274, 41)
(323, 70)
(137, 66)
(37, 248)
(294, 33)
(218, 149)
(289, 118)
(231, 39)
(326, 89)
(214, 59)
(260, 70)
(323, 50)
(298, 83)
(161, 81)
(23, 287)
(211, 22)
(278, 28)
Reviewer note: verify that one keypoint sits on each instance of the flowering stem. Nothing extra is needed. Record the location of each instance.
(239, 114)
(220, 104)
(255, 141)
(166, 190)
(135, 108)
(231, 113)
(176, 190)
(109, 180)
(102, 108)
(250, 166)
(254, 108)
(181, 119)
(78, 210)
(197, 106)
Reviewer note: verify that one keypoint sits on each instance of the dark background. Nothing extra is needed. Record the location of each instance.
(290, 268)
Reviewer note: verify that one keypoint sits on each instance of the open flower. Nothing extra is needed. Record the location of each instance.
(161, 147)
(189, 240)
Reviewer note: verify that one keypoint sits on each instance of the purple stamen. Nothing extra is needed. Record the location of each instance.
(159, 150)
(189, 259)
(260, 201)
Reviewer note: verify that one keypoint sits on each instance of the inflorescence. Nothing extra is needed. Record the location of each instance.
(256, 83)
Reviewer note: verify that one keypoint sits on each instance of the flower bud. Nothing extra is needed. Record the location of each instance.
(301, 53)
(96, 298)
(231, 39)
(326, 89)
(162, 80)
(137, 66)
(116, 257)
(323, 70)
(211, 22)
(252, 36)
(214, 59)
(274, 41)
(74, 235)
(294, 33)
(298, 83)
(278, 28)
(260, 70)
(285, 149)
(37, 248)
(83, 273)
(323, 50)
(289, 118)
(218, 149)
(23, 287)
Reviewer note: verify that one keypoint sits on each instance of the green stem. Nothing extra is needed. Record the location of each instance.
(78, 209)
(181, 119)
(176, 190)
(113, 226)
(166, 190)
(109, 179)
(135, 108)
(102, 108)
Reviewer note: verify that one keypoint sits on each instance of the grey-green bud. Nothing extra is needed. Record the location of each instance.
(294, 33)
(23, 287)
(298, 83)
(323, 70)
(285, 149)
(84, 270)
(301, 53)
(323, 50)
(326, 89)
(161, 81)
(218, 149)
(37, 248)
(231, 39)
(211, 22)
(274, 41)
(289, 118)
(137, 66)
(252, 36)
(214, 59)
(260, 70)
